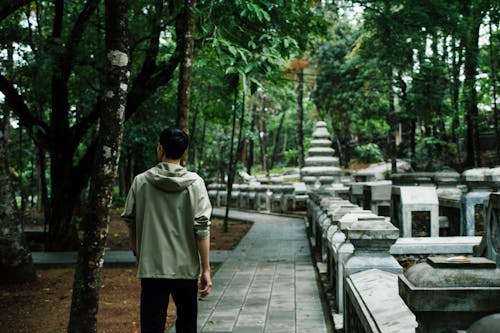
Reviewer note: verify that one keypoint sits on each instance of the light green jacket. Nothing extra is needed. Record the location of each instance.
(168, 208)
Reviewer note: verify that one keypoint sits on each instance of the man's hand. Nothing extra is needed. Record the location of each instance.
(205, 285)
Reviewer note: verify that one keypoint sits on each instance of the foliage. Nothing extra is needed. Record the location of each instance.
(291, 156)
(368, 153)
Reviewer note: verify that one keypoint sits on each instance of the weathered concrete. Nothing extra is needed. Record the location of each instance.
(376, 305)
(448, 295)
(268, 284)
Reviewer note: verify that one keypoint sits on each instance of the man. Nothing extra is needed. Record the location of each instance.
(168, 215)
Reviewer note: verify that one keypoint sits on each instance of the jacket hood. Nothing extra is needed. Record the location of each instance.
(170, 177)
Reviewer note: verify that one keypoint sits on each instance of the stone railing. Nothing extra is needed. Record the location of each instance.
(352, 241)
(278, 198)
(362, 256)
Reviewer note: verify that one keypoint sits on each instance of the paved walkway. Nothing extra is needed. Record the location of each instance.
(267, 284)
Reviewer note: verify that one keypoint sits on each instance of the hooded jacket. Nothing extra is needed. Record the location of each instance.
(168, 208)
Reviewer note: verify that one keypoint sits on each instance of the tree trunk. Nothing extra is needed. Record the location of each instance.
(470, 93)
(65, 197)
(277, 136)
(496, 116)
(456, 64)
(42, 195)
(413, 144)
(392, 122)
(300, 118)
(192, 132)
(201, 153)
(240, 133)
(232, 159)
(251, 158)
(16, 264)
(185, 36)
(67, 181)
(94, 228)
(346, 138)
(263, 139)
(336, 142)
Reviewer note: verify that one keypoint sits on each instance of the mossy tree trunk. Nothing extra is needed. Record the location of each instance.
(185, 35)
(16, 265)
(94, 227)
(300, 118)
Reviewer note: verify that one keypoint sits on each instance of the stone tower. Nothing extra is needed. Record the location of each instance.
(321, 167)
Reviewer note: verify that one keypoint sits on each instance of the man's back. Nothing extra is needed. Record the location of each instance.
(171, 211)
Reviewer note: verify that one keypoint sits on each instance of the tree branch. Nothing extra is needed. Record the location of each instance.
(143, 89)
(7, 7)
(82, 125)
(26, 118)
(76, 36)
(151, 76)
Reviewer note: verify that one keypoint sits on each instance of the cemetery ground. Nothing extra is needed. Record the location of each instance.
(43, 306)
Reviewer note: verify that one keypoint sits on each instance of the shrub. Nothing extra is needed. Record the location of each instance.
(368, 153)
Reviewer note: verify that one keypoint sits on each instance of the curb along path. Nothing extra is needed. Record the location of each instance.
(267, 284)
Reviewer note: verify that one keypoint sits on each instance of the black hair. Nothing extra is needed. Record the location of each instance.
(174, 142)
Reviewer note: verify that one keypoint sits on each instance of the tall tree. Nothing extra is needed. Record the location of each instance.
(473, 14)
(16, 264)
(94, 226)
(71, 74)
(493, 57)
(185, 30)
(297, 66)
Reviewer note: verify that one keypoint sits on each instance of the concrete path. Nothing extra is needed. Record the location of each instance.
(268, 283)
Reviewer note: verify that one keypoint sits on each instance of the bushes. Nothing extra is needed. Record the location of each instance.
(368, 153)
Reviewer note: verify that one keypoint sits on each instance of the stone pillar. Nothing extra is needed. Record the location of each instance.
(479, 188)
(493, 230)
(341, 249)
(372, 241)
(495, 178)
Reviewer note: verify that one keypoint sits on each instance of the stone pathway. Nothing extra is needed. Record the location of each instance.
(268, 283)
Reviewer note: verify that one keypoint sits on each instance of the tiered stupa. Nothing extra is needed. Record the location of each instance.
(321, 167)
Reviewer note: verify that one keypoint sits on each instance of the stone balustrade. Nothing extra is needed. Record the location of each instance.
(261, 197)
(352, 241)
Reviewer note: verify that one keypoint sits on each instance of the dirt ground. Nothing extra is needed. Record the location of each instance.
(43, 306)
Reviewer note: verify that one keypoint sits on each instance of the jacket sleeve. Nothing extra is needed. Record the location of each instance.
(203, 210)
(128, 214)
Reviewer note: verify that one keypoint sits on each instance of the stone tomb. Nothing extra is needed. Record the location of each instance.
(415, 211)
(457, 293)
(472, 202)
(450, 294)
(493, 230)
(377, 197)
(356, 192)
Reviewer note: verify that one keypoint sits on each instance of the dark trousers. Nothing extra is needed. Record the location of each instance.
(154, 302)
